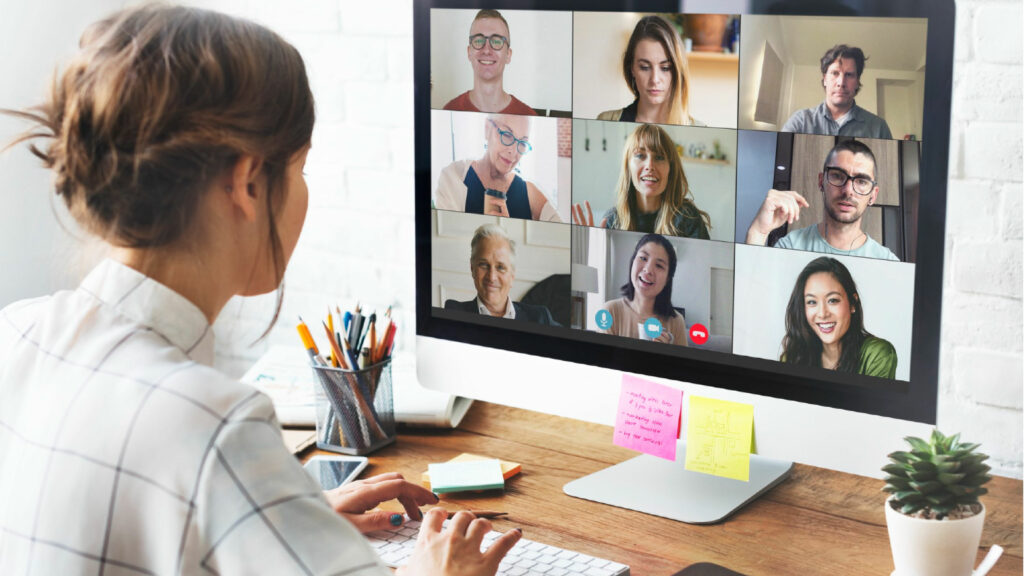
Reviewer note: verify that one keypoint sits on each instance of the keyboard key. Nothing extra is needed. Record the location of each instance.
(567, 554)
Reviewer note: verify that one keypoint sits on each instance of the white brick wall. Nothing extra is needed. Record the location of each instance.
(981, 370)
(358, 240)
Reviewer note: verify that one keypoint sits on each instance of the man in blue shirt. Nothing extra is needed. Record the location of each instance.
(838, 114)
(848, 187)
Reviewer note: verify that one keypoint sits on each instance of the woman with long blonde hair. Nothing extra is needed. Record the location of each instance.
(655, 69)
(653, 194)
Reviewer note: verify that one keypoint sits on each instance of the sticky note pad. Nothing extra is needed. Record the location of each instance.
(718, 438)
(648, 417)
(468, 475)
(508, 469)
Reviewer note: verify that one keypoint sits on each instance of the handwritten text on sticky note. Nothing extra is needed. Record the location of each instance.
(648, 418)
(718, 435)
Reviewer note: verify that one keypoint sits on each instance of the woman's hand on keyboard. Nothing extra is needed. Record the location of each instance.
(455, 550)
(355, 500)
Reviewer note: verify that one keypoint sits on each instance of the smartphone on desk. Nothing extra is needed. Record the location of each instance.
(334, 471)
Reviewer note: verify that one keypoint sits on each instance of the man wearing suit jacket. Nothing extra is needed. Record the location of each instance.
(492, 263)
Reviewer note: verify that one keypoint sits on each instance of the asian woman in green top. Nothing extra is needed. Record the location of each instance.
(825, 324)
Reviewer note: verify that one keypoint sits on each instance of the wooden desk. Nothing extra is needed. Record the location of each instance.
(816, 522)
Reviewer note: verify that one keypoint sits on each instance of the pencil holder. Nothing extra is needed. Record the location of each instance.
(355, 411)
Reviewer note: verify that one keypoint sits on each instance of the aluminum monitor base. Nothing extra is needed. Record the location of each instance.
(656, 486)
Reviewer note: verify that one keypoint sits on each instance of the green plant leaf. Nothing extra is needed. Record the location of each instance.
(957, 490)
(948, 479)
(978, 468)
(926, 487)
(896, 470)
(919, 445)
(954, 440)
(897, 482)
(922, 476)
(911, 508)
(939, 498)
(923, 455)
(942, 510)
(968, 499)
(924, 466)
(970, 447)
(973, 459)
(975, 480)
(902, 456)
(907, 496)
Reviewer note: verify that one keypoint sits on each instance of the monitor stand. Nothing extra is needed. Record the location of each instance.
(664, 488)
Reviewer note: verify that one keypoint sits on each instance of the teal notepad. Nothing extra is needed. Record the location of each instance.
(462, 476)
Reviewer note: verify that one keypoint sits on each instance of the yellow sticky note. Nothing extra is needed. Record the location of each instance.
(719, 435)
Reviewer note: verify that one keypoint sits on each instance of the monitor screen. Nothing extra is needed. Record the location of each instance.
(729, 199)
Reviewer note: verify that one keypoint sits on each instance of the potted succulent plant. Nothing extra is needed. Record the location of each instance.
(933, 513)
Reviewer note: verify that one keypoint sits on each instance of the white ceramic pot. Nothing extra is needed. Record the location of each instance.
(933, 547)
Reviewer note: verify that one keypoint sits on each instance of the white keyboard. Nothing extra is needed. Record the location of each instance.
(526, 558)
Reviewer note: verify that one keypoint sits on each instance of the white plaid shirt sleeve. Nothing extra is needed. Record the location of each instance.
(122, 453)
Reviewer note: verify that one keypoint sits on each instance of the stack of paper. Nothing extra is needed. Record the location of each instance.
(508, 469)
(466, 475)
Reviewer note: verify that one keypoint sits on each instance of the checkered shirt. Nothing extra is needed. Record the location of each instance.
(122, 452)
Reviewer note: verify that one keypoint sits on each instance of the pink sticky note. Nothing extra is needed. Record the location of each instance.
(648, 418)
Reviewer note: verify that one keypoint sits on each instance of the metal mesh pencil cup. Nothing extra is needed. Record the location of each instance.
(355, 411)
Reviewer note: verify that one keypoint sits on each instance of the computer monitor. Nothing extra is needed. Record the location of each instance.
(721, 196)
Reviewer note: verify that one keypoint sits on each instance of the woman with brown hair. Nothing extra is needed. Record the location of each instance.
(653, 194)
(656, 71)
(178, 137)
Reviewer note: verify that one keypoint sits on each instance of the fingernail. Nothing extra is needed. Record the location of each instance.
(518, 529)
(396, 519)
(436, 498)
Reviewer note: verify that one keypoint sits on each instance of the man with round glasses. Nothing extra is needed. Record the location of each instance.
(489, 51)
(848, 186)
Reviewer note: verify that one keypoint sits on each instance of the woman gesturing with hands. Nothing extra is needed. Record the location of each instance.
(581, 219)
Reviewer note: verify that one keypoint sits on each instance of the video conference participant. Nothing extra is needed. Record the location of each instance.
(648, 293)
(656, 71)
(492, 263)
(847, 184)
(200, 196)
(838, 114)
(489, 51)
(653, 194)
(489, 185)
(825, 324)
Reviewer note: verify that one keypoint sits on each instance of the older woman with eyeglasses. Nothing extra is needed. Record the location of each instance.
(489, 184)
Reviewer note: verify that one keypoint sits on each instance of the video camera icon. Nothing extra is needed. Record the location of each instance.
(652, 328)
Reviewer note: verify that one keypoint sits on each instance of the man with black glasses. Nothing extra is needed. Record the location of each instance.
(848, 186)
(489, 51)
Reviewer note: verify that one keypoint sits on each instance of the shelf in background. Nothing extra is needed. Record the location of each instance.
(692, 160)
(713, 57)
